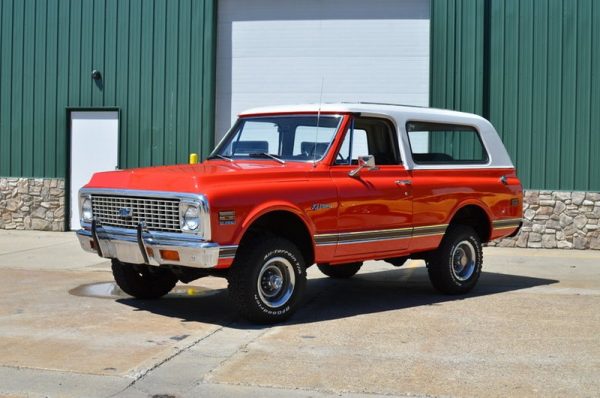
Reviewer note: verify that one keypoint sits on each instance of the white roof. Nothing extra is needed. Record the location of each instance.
(400, 115)
(360, 107)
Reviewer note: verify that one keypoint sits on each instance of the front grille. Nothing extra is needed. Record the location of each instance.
(157, 214)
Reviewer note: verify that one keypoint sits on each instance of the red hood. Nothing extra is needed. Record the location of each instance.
(201, 177)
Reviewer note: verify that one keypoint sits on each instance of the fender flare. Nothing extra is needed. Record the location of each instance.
(473, 202)
(269, 207)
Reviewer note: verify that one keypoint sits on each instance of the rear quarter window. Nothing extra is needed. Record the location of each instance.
(438, 143)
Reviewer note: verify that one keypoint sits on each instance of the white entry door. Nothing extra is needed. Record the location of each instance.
(94, 148)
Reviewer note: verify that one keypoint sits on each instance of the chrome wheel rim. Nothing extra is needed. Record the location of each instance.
(464, 258)
(276, 281)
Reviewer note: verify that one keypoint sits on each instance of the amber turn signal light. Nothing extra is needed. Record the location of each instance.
(169, 255)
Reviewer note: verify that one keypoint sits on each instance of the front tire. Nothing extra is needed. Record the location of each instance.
(456, 266)
(267, 280)
(342, 271)
(143, 281)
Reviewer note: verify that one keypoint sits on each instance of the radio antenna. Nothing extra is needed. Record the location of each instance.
(318, 122)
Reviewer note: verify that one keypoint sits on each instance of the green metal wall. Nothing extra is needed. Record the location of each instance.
(456, 72)
(157, 59)
(532, 70)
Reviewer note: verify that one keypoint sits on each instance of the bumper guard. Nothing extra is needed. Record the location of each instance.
(140, 246)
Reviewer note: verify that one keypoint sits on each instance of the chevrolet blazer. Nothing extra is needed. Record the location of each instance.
(291, 186)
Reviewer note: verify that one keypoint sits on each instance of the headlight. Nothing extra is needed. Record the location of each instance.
(86, 209)
(190, 217)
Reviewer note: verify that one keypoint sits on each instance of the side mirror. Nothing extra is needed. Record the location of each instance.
(364, 162)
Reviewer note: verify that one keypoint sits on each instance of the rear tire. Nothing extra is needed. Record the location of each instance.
(267, 279)
(143, 281)
(342, 271)
(455, 266)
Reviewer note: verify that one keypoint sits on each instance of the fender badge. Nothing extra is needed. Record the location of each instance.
(319, 206)
(227, 217)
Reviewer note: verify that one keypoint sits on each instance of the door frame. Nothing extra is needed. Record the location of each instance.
(69, 110)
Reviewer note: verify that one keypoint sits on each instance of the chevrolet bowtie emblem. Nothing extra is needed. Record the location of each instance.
(126, 212)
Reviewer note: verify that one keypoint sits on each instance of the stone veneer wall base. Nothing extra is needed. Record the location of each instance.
(558, 219)
(551, 219)
(32, 203)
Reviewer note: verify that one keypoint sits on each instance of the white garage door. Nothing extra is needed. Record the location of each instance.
(273, 52)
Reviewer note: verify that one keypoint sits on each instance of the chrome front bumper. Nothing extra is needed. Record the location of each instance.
(144, 247)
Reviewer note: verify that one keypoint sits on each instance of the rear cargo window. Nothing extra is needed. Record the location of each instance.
(437, 143)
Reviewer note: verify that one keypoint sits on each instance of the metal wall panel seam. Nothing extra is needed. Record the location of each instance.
(51, 89)
(209, 72)
(583, 79)
(6, 88)
(569, 104)
(28, 87)
(197, 52)
(41, 35)
(62, 85)
(18, 70)
(594, 144)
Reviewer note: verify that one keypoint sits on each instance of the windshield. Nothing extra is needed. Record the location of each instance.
(283, 138)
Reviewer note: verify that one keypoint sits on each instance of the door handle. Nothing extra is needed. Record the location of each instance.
(403, 182)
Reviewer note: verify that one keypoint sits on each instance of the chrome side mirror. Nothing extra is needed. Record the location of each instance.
(364, 162)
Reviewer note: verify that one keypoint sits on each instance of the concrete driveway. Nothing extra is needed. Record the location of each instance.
(530, 328)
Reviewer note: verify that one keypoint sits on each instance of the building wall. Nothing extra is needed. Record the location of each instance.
(530, 67)
(558, 219)
(457, 59)
(280, 52)
(32, 203)
(545, 90)
(157, 62)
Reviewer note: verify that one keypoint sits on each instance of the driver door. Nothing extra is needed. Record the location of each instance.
(375, 205)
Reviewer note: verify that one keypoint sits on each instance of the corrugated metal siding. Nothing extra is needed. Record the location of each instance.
(457, 32)
(157, 61)
(544, 89)
(542, 84)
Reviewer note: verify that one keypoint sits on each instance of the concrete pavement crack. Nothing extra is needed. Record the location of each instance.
(140, 375)
(241, 348)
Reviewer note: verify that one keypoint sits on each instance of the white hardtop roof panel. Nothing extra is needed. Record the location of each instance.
(344, 107)
(498, 156)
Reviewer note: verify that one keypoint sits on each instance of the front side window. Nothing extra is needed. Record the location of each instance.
(294, 138)
(437, 143)
(369, 136)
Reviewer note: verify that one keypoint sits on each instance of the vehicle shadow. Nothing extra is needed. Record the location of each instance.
(328, 299)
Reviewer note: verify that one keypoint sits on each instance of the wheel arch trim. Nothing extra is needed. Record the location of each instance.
(280, 206)
(481, 206)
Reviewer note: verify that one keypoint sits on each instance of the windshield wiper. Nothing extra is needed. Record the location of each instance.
(217, 156)
(267, 155)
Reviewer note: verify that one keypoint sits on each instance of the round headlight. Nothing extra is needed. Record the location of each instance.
(86, 210)
(191, 218)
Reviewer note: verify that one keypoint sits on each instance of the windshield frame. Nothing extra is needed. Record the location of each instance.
(234, 130)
